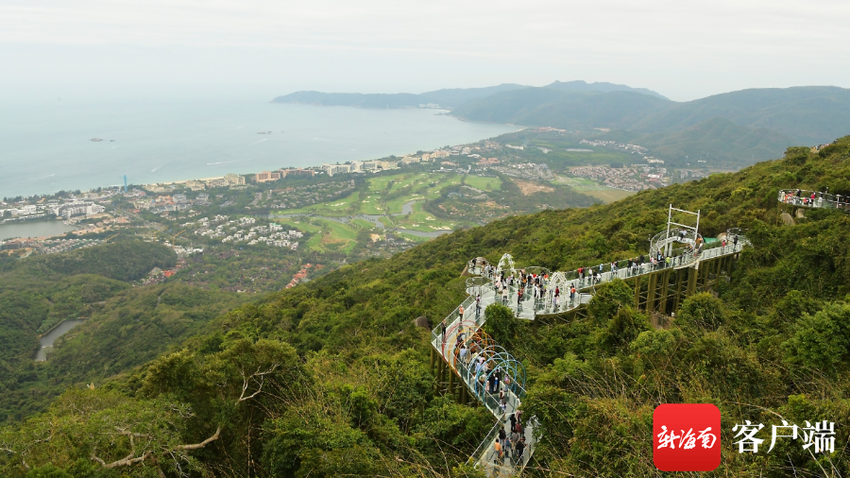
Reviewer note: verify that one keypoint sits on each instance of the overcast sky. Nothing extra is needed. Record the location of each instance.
(682, 49)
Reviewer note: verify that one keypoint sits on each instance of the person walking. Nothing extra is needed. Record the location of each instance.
(514, 437)
(506, 448)
(520, 448)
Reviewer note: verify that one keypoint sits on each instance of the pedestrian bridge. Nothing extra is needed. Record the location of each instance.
(814, 199)
(688, 266)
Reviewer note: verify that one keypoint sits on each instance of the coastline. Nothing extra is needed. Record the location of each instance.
(176, 146)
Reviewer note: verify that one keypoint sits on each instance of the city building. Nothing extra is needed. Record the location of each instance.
(266, 176)
(296, 172)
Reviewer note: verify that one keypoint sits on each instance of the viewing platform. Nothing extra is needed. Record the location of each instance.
(472, 366)
(559, 284)
(814, 199)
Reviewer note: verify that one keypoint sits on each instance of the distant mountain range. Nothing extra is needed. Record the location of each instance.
(446, 98)
(732, 129)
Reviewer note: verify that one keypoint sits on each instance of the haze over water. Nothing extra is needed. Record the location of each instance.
(45, 145)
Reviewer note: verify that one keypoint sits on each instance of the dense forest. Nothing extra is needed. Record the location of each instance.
(124, 326)
(332, 378)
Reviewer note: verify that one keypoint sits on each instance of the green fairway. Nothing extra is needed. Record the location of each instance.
(413, 238)
(337, 208)
(592, 188)
(482, 183)
(400, 188)
(371, 204)
(333, 236)
(362, 223)
(420, 220)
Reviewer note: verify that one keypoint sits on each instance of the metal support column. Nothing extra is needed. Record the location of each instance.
(692, 281)
(440, 368)
(680, 279)
(650, 292)
(637, 292)
(662, 303)
(717, 269)
(464, 394)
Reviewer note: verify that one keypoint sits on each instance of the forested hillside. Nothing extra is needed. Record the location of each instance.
(331, 378)
(561, 108)
(125, 326)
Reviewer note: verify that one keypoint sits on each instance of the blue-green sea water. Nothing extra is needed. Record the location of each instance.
(45, 146)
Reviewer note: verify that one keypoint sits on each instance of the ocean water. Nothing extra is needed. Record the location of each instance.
(45, 145)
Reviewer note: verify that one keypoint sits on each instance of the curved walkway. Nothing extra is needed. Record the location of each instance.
(463, 344)
(559, 284)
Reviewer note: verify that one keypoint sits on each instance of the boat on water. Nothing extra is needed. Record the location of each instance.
(97, 140)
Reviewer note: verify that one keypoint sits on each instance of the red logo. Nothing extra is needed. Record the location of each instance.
(686, 437)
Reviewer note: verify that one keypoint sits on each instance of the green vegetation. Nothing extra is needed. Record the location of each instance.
(591, 188)
(333, 237)
(482, 183)
(125, 260)
(332, 378)
(39, 292)
(565, 109)
(438, 202)
(559, 158)
(126, 330)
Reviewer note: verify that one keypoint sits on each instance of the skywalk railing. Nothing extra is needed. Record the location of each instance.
(623, 269)
(485, 448)
(814, 199)
(485, 454)
(437, 333)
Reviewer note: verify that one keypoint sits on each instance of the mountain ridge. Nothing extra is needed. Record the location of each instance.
(764, 121)
(445, 98)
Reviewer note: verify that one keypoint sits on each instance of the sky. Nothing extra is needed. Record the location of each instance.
(265, 48)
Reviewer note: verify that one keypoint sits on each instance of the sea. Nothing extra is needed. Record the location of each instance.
(46, 144)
